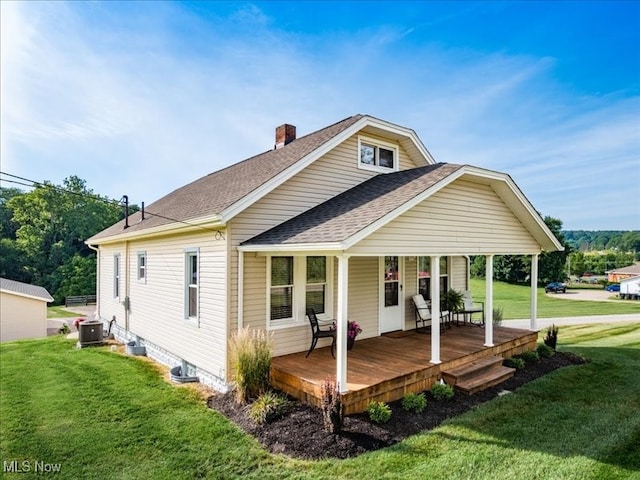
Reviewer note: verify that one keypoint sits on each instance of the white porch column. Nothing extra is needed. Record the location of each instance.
(341, 322)
(240, 290)
(488, 304)
(435, 310)
(534, 293)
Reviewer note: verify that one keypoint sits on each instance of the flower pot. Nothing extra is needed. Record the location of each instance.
(350, 342)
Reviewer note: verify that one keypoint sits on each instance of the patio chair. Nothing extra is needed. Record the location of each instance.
(317, 332)
(470, 307)
(423, 314)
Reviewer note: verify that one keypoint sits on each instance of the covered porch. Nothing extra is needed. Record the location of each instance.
(387, 367)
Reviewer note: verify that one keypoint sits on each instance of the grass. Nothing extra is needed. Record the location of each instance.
(516, 302)
(59, 311)
(103, 415)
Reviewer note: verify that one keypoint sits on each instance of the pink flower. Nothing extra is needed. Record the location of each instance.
(353, 329)
(78, 321)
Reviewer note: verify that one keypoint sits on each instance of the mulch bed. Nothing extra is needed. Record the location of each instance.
(300, 433)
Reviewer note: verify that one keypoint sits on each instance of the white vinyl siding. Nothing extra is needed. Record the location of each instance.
(465, 217)
(157, 309)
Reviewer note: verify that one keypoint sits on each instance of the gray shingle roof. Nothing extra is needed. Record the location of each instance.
(213, 193)
(631, 269)
(346, 214)
(25, 289)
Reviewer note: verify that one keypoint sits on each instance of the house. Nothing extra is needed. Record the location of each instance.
(352, 220)
(23, 310)
(619, 274)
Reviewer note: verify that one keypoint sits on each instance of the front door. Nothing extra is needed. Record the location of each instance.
(391, 294)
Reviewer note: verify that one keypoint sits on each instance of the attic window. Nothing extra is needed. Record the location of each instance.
(377, 155)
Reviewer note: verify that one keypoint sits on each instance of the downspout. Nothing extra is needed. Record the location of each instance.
(97, 250)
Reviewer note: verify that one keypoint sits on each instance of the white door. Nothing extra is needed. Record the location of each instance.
(390, 294)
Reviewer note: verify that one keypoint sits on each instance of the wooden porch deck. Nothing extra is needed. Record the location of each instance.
(388, 367)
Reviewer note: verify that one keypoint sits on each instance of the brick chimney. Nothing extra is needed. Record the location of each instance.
(285, 134)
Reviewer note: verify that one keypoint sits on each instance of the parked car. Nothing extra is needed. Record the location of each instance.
(614, 287)
(555, 287)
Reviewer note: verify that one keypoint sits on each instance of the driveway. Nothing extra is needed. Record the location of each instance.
(587, 294)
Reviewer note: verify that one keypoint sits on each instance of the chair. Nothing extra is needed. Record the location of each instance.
(423, 313)
(470, 307)
(317, 333)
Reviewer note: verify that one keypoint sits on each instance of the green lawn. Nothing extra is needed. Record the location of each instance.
(59, 311)
(516, 302)
(102, 415)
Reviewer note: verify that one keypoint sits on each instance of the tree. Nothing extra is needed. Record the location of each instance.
(53, 223)
(551, 265)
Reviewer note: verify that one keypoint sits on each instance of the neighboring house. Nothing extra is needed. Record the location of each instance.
(619, 274)
(23, 310)
(351, 220)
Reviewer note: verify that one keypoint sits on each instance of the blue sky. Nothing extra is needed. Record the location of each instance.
(139, 98)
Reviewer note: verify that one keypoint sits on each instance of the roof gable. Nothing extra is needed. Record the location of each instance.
(221, 195)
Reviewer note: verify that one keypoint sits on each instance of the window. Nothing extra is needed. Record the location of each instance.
(316, 283)
(281, 288)
(116, 275)
(142, 266)
(296, 283)
(424, 276)
(192, 281)
(377, 155)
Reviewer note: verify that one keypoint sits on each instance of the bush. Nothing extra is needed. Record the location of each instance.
(530, 357)
(64, 329)
(331, 404)
(551, 338)
(268, 407)
(545, 351)
(498, 315)
(250, 353)
(379, 412)
(514, 362)
(414, 402)
(442, 391)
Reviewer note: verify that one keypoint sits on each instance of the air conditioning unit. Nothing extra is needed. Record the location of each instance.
(90, 333)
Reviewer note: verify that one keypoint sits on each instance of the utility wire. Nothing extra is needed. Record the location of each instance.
(106, 200)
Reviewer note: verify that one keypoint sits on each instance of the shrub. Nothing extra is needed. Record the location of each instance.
(442, 391)
(545, 351)
(250, 352)
(498, 315)
(331, 404)
(379, 412)
(414, 402)
(551, 338)
(64, 329)
(529, 357)
(514, 362)
(268, 407)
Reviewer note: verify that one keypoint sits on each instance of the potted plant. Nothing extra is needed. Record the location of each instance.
(451, 300)
(353, 329)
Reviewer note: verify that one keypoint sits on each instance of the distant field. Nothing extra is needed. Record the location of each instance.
(516, 302)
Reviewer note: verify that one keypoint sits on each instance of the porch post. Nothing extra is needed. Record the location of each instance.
(435, 310)
(341, 322)
(534, 292)
(240, 289)
(488, 303)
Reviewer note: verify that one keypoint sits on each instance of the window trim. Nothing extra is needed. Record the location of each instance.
(116, 275)
(377, 144)
(299, 291)
(142, 256)
(188, 254)
(444, 273)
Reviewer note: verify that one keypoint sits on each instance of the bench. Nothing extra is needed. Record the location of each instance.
(74, 301)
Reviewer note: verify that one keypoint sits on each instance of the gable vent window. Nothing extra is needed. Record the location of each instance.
(377, 156)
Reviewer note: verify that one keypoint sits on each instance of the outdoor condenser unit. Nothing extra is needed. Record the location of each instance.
(90, 333)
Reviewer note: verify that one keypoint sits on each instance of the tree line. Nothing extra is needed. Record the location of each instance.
(42, 234)
(598, 240)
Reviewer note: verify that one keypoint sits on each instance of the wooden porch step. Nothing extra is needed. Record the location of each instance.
(486, 380)
(471, 370)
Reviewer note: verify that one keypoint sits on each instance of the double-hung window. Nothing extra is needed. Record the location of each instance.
(281, 289)
(424, 276)
(297, 283)
(192, 281)
(377, 155)
(142, 266)
(116, 275)
(316, 288)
